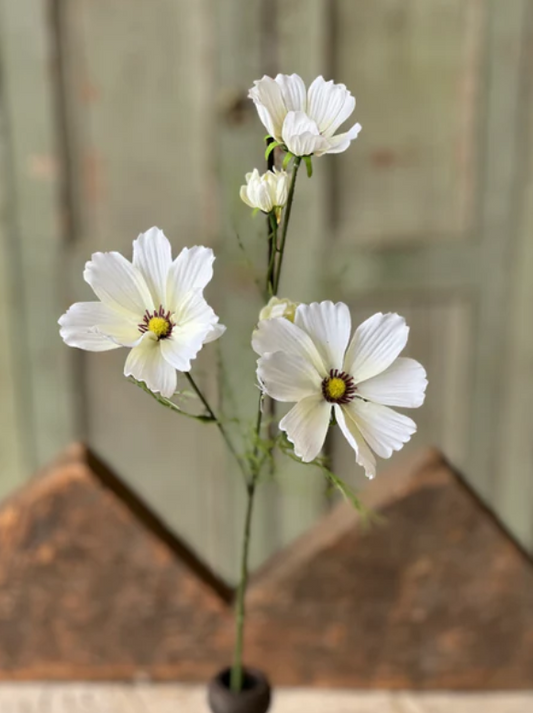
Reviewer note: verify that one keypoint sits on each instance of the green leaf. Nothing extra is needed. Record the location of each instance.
(271, 146)
(309, 165)
(287, 159)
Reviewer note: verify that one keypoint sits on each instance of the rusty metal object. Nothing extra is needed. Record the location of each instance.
(93, 586)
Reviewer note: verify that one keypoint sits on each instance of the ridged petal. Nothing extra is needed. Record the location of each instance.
(118, 284)
(152, 256)
(329, 326)
(375, 345)
(402, 384)
(287, 377)
(306, 426)
(145, 363)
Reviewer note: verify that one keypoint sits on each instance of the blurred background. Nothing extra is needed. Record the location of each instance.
(116, 115)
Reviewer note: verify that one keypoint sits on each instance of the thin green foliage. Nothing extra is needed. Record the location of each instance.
(332, 478)
(203, 418)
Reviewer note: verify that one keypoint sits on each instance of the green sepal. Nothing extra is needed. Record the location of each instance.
(271, 146)
(287, 159)
(308, 165)
(268, 137)
(255, 212)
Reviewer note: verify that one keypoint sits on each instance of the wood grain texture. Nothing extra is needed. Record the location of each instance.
(514, 492)
(143, 154)
(436, 597)
(413, 66)
(116, 116)
(12, 465)
(94, 698)
(50, 418)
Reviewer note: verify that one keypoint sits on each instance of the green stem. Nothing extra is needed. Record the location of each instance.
(240, 606)
(288, 209)
(272, 251)
(273, 278)
(220, 426)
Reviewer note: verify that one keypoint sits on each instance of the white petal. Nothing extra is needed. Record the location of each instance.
(245, 197)
(96, 328)
(286, 377)
(145, 363)
(306, 426)
(293, 91)
(382, 428)
(118, 284)
(216, 332)
(329, 326)
(301, 135)
(375, 345)
(402, 384)
(339, 143)
(191, 270)
(152, 256)
(268, 99)
(280, 335)
(329, 104)
(264, 199)
(363, 455)
(194, 322)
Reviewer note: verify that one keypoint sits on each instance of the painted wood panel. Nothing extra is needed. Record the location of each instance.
(117, 116)
(12, 467)
(45, 374)
(142, 140)
(414, 66)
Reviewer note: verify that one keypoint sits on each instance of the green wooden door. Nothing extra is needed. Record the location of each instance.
(125, 114)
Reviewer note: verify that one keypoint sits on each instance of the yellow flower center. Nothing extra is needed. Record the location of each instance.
(160, 326)
(339, 387)
(158, 322)
(336, 388)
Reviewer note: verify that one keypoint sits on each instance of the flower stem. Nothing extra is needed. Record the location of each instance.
(220, 426)
(272, 251)
(288, 209)
(240, 605)
(272, 283)
(273, 278)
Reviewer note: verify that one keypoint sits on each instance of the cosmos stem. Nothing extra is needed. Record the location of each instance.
(288, 210)
(273, 278)
(220, 426)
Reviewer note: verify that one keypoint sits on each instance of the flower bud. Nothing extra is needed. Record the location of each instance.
(265, 192)
(278, 307)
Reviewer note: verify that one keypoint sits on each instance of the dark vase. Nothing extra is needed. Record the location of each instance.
(254, 697)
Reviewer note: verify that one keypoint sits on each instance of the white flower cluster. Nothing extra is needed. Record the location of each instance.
(308, 356)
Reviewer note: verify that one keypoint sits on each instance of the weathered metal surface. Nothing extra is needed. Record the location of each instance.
(437, 595)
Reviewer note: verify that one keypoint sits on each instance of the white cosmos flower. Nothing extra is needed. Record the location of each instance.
(314, 363)
(266, 192)
(305, 121)
(154, 306)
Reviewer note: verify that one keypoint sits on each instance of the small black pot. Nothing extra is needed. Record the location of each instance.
(254, 697)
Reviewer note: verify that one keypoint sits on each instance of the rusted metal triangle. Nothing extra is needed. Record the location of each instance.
(94, 586)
